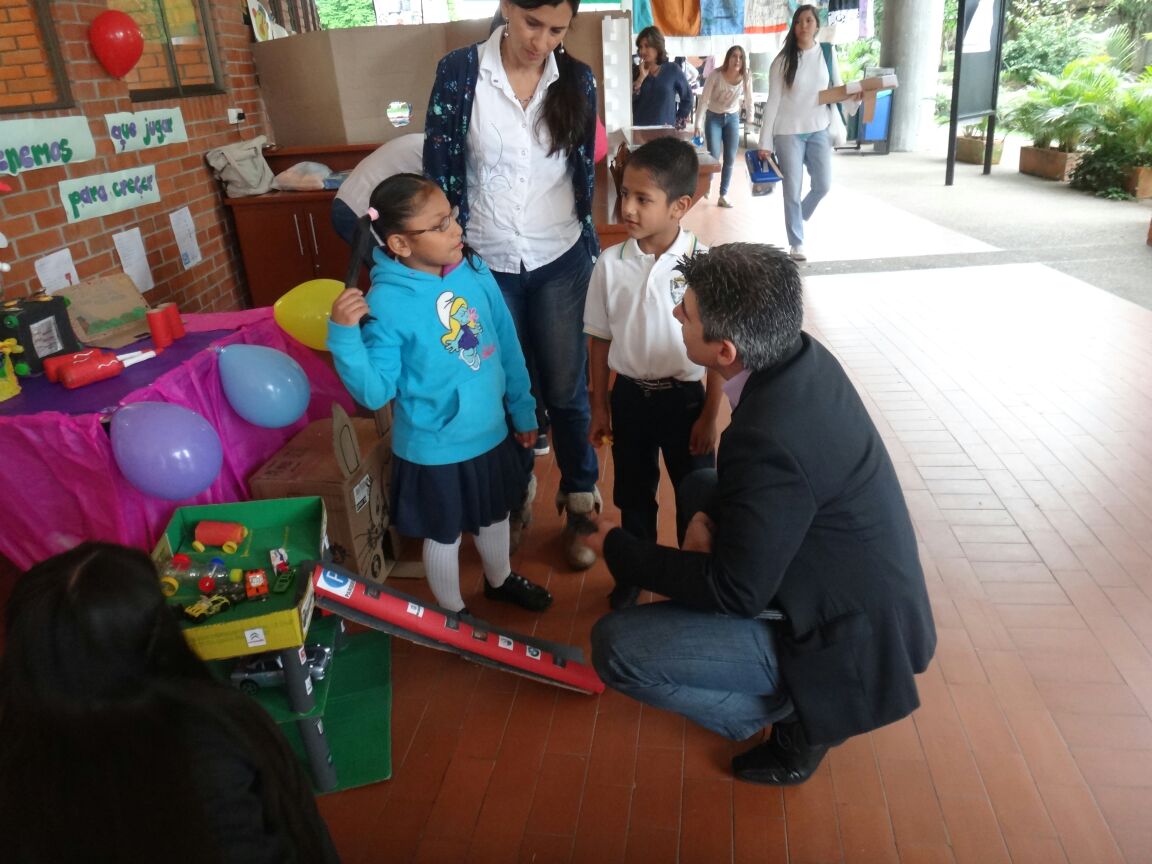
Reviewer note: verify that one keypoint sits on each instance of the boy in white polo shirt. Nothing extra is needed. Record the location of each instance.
(659, 402)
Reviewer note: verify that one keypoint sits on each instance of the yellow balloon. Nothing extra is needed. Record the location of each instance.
(302, 313)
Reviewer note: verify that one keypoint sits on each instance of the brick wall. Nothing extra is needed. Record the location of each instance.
(33, 217)
(25, 75)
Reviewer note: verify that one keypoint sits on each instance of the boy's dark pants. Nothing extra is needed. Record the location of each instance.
(645, 423)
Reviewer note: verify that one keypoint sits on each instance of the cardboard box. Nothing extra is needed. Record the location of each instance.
(348, 463)
(108, 311)
(250, 627)
(335, 86)
(865, 87)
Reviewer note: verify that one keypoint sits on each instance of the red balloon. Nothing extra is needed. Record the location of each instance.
(117, 42)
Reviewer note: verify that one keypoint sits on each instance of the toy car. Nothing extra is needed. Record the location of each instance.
(206, 607)
(255, 583)
(267, 670)
(283, 581)
(233, 591)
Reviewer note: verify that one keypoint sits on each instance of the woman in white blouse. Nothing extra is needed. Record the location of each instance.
(795, 124)
(510, 137)
(719, 108)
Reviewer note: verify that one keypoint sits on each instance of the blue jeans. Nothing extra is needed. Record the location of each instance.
(723, 128)
(719, 672)
(547, 305)
(795, 153)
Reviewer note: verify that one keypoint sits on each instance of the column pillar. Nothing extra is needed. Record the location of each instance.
(910, 43)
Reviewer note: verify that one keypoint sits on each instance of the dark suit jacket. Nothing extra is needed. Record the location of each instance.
(810, 520)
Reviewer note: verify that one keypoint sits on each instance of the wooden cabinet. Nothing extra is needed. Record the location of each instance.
(287, 238)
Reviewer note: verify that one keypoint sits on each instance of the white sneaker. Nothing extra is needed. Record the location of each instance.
(796, 253)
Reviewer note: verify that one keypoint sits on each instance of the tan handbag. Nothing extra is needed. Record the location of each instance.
(241, 167)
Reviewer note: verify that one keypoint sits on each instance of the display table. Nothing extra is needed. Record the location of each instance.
(62, 483)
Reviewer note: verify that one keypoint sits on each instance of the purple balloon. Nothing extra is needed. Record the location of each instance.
(166, 450)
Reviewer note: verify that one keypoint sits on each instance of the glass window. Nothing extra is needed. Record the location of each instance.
(179, 58)
(31, 74)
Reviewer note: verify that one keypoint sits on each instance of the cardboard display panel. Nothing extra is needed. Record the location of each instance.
(107, 311)
(335, 86)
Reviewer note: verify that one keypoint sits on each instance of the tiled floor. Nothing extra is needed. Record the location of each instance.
(1017, 407)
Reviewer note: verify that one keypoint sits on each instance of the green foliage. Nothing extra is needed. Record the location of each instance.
(854, 56)
(948, 35)
(1103, 169)
(977, 128)
(1133, 15)
(1115, 43)
(1044, 36)
(1123, 141)
(345, 13)
(1067, 108)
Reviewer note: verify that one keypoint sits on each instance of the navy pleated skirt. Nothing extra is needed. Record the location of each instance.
(444, 501)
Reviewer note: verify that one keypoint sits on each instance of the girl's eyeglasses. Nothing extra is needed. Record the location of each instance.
(443, 225)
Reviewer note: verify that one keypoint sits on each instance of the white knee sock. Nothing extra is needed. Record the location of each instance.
(492, 543)
(442, 567)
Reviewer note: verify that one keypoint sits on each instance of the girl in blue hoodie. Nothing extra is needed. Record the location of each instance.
(435, 336)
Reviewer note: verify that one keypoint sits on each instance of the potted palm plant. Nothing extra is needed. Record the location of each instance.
(1135, 128)
(1118, 163)
(971, 142)
(1060, 113)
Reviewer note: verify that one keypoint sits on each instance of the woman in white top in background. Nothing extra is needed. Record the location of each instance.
(719, 107)
(795, 124)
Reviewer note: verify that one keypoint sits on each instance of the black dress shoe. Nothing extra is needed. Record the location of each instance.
(785, 758)
(623, 596)
(516, 589)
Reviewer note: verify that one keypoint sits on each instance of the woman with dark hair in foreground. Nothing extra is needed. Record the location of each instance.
(116, 744)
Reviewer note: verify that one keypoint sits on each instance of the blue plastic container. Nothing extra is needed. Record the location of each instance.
(762, 172)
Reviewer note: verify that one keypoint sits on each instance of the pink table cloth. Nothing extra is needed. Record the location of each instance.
(61, 482)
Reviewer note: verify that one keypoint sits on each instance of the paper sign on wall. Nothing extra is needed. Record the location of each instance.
(134, 259)
(141, 130)
(57, 270)
(185, 230)
(261, 21)
(26, 145)
(103, 194)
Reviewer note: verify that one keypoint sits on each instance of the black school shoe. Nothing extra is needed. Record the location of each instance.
(784, 758)
(516, 589)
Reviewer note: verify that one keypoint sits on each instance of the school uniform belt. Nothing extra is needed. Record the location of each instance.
(652, 384)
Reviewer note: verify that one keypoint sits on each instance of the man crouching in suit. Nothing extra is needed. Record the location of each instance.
(797, 599)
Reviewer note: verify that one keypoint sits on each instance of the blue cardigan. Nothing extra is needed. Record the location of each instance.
(446, 136)
(663, 99)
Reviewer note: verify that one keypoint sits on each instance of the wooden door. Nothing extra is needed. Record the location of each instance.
(331, 252)
(276, 248)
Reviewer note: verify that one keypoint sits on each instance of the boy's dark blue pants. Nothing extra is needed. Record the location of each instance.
(646, 423)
